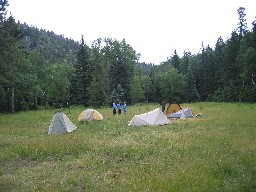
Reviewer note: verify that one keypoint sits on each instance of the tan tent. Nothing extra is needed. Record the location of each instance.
(173, 108)
(90, 115)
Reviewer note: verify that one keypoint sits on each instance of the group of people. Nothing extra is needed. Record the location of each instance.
(117, 106)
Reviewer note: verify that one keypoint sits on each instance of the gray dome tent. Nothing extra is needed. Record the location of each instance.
(60, 123)
(182, 114)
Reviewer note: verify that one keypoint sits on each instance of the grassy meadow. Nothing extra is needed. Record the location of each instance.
(212, 153)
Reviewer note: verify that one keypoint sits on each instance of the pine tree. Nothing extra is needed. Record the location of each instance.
(254, 33)
(247, 68)
(81, 79)
(16, 80)
(119, 93)
(191, 93)
(206, 81)
(201, 73)
(218, 63)
(99, 85)
(113, 95)
(39, 69)
(3, 11)
(185, 62)
(231, 76)
(175, 60)
(242, 25)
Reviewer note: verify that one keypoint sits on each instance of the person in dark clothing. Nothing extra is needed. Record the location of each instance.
(163, 105)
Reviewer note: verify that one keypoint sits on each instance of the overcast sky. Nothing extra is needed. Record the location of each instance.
(154, 28)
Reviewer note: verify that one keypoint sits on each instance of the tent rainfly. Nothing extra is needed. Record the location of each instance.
(155, 117)
(60, 123)
(90, 115)
(173, 108)
(182, 114)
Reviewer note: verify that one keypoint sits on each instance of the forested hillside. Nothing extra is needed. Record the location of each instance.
(54, 48)
(42, 69)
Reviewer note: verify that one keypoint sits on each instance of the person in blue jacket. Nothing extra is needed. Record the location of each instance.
(114, 107)
(124, 107)
(118, 105)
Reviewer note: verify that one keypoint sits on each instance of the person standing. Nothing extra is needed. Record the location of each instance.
(163, 105)
(114, 107)
(118, 105)
(124, 107)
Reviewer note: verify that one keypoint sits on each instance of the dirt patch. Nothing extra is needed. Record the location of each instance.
(6, 166)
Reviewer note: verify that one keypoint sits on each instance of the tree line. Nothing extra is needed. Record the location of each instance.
(41, 69)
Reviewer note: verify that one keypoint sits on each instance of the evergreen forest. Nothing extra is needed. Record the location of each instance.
(39, 68)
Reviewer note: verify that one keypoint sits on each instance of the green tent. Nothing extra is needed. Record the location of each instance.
(60, 123)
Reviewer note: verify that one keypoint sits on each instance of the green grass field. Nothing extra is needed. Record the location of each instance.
(212, 153)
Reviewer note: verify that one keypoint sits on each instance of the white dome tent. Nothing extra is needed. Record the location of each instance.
(152, 118)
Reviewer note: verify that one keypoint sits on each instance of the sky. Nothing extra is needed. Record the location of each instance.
(154, 28)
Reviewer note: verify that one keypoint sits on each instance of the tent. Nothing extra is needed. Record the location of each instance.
(60, 123)
(90, 115)
(155, 117)
(173, 108)
(182, 114)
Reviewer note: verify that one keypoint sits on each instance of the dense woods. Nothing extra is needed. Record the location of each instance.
(39, 68)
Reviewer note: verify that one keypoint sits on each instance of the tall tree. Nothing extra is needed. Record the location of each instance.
(147, 88)
(155, 95)
(206, 81)
(219, 62)
(39, 70)
(99, 86)
(242, 25)
(175, 60)
(171, 85)
(191, 93)
(58, 84)
(184, 64)
(247, 68)
(137, 94)
(231, 76)
(16, 79)
(81, 80)
(3, 11)
(254, 33)
(120, 58)
(117, 93)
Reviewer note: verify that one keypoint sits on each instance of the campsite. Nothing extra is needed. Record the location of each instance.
(98, 113)
(215, 152)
